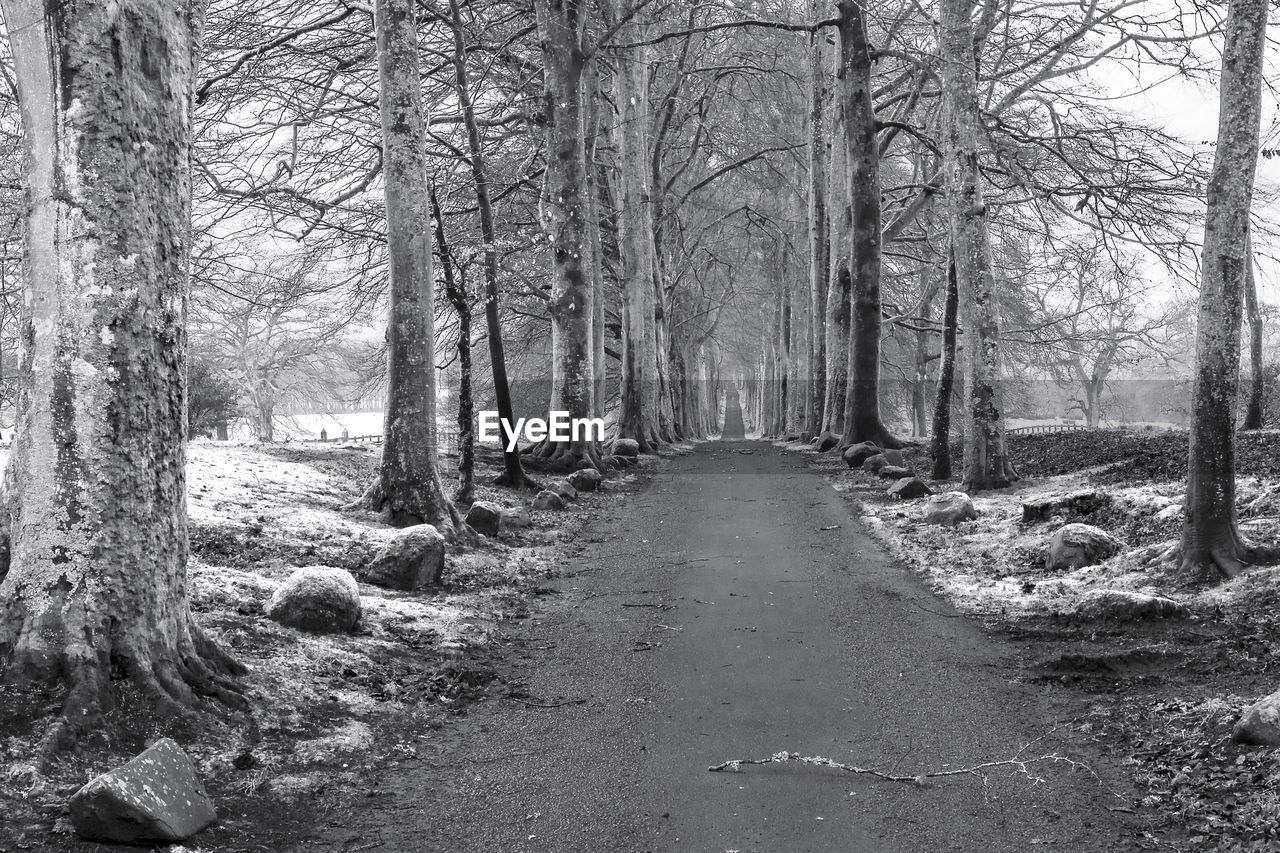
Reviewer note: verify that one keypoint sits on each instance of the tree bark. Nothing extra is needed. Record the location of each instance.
(819, 247)
(638, 418)
(940, 443)
(1211, 540)
(408, 490)
(986, 460)
(562, 214)
(862, 406)
(1255, 411)
(96, 583)
(513, 473)
(456, 292)
(840, 291)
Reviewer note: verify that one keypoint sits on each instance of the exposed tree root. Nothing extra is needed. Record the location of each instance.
(51, 650)
(563, 457)
(1225, 556)
(526, 482)
(448, 520)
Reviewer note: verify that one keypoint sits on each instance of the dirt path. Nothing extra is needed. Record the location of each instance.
(734, 609)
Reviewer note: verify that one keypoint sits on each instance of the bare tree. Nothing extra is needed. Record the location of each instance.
(1211, 542)
(986, 461)
(408, 489)
(96, 585)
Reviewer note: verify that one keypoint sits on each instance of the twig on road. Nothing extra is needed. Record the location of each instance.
(1019, 763)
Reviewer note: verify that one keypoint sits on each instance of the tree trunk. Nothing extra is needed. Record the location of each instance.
(456, 292)
(986, 460)
(839, 294)
(595, 253)
(408, 489)
(919, 385)
(1211, 540)
(562, 214)
(96, 587)
(1255, 411)
(819, 248)
(638, 418)
(940, 445)
(513, 471)
(862, 404)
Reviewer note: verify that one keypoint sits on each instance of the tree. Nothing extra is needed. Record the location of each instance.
(940, 447)
(408, 489)
(273, 327)
(862, 407)
(1211, 540)
(986, 461)
(562, 214)
(96, 585)
(513, 472)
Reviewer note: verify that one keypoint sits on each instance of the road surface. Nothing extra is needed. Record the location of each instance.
(734, 609)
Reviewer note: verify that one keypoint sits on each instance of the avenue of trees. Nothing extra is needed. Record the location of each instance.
(868, 219)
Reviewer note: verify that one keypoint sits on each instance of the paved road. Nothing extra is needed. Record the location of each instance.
(734, 609)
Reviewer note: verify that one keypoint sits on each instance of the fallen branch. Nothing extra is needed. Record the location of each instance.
(1022, 765)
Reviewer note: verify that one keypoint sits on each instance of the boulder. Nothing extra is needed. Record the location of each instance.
(322, 599)
(909, 488)
(1260, 723)
(1076, 545)
(895, 457)
(584, 462)
(1075, 504)
(484, 518)
(894, 472)
(626, 447)
(825, 442)
(855, 454)
(586, 480)
(1124, 606)
(873, 464)
(1169, 513)
(156, 797)
(563, 489)
(547, 499)
(515, 518)
(949, 509)
(411, 559)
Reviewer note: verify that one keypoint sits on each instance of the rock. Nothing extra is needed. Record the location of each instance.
(322, 599)
(885, 459)
(563, 489)
(1076, 504)
(873, 464)
(894, 472)
(1076, 545)
(584, 462)
(1260, 723)
(485, 518)
(626, 447)
(515, 518)
(825, 442)
(1127, 606)
(909, 488)
(855, 454)
(949, 509)
(548, 499)
(586, 480)
(1169, 513)
(156, 797)
(411, 559)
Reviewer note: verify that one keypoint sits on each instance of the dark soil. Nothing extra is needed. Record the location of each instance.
(1120, 457)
